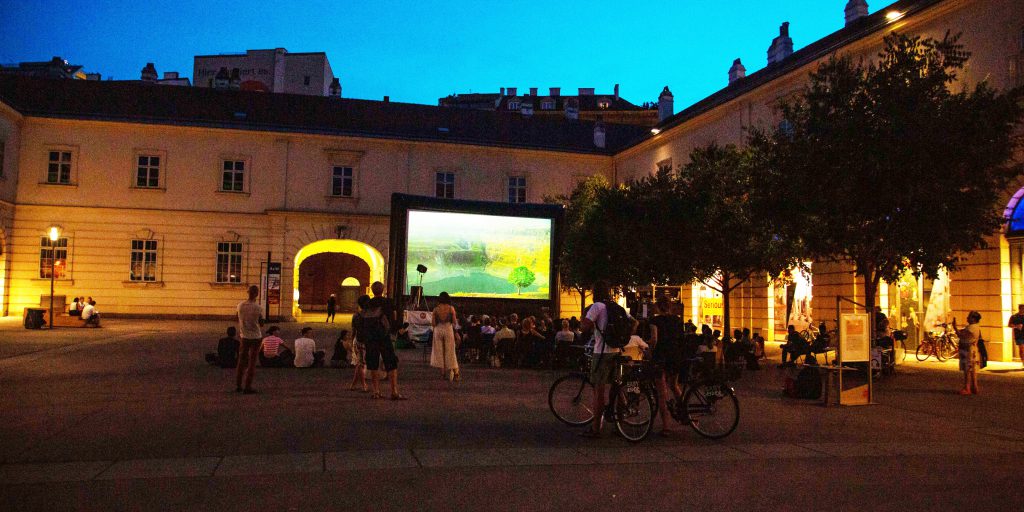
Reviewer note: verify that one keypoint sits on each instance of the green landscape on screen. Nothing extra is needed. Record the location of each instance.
(473, 255)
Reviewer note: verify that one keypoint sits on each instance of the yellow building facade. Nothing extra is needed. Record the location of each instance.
(238, 176)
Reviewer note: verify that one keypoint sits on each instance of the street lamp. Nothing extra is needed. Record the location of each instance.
(54, 236)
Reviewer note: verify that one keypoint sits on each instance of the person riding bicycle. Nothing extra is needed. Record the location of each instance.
(603, 368)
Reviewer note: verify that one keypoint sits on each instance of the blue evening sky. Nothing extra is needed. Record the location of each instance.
(418, 51)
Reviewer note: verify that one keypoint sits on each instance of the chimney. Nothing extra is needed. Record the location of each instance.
(526, 108)
(170, 75)
(572, 108)
(236, 79)
(586, 91)
(533, 91)
(334, 90)
(599, 134)
(222, 78)
(149, 73)
(511, 91)
(665, 105)
(387, 99)
(616, 91)
(555, 91)
(781, 47)
(855, 10)
(502, 91)
(737, 71)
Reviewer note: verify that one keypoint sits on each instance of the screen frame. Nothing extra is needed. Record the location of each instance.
(401, 204)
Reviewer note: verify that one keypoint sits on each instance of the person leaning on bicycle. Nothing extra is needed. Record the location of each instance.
(602, 368)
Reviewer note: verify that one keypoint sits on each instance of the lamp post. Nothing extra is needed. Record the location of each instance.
(54, 236)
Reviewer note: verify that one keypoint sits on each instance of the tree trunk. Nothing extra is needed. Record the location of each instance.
(583, 302)
(726, 290)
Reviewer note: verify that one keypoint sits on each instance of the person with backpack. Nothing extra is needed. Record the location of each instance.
(611, 328)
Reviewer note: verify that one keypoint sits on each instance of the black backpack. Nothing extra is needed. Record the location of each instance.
(808, 384)
(619, 328)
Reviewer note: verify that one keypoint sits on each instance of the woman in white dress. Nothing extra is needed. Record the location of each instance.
(442, 355)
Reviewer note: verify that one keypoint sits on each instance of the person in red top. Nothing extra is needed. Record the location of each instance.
(273, 352)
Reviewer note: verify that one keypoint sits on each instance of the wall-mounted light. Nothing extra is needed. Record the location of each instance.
(892, 16)
(655, 131)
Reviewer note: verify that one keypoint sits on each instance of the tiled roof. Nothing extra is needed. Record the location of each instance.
(192, 106)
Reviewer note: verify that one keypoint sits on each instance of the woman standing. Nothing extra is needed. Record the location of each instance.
(442, 355)
(969, 358)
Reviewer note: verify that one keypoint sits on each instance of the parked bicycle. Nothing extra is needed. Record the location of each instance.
(942, 344)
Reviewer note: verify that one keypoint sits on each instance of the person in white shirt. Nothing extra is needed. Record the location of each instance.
(306, 354)
(250, 317)
(595, 322)
(90, 315)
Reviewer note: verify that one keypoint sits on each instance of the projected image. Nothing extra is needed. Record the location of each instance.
(473, 255)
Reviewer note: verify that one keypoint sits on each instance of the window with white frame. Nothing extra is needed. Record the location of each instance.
(547, 105)
(513, 105)
(53, 257)
(233, 178)
(517, 189)
(445, 185)
(58, 170)
(342, 181)
(143, 261)
(229, 262)
(665, 165)
(147, 171)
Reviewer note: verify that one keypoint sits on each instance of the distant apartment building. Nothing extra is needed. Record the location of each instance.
(586, 104)
(274, 70)
(53, 68)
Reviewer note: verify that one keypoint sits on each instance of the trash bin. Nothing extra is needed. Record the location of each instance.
(34, 318)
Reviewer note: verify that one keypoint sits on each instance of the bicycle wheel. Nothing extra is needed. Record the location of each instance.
(712, 409)
(922, 351)
(570, 400)
(903, 348)
(950, 349)
(634, 411)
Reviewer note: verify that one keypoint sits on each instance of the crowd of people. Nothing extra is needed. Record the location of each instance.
(85, 308)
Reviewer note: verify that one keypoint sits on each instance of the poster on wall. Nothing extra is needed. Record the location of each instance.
(712, 311)
(273, 283)
(854, 342)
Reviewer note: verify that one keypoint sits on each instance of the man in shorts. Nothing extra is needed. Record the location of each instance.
(603, 366)
(1017, 322)
(250, 317)
(388, 355)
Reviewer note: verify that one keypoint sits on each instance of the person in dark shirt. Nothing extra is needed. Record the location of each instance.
(227, 350)
(666, 335)
(388, 355)
(795, 346)
(1017, 322)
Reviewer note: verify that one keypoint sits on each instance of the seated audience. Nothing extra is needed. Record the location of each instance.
(227, 350)
(339, 358)
(90, 315)
(273, 352)
(306, 354)
(794, 347)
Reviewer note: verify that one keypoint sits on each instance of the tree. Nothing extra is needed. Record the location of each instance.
(742, 234)
(576, 270)
(521, 277)
(886, 166)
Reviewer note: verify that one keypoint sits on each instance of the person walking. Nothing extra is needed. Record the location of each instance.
(332, 306)
(250, 317)
(970, 359)
(442, 354)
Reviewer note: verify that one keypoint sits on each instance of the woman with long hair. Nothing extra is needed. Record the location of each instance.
(442, 354)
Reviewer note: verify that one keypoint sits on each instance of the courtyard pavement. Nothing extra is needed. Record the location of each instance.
(130, 417)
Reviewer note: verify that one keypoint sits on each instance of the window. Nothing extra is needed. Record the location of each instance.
(143, 260)
(445, 182)
(341, 182)
(147, 172)
(305, 80)
(603, 104)
(665, 165)
(229, 262)
(58, 171)
(517, 189)
(234, 176)
(513, 105)
(547, 105)
(53, 257)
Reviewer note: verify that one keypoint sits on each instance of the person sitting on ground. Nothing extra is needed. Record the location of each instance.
(273, 352)
(306, 354)
(758, 342)
(90, 315)
(227, 350)
(795, 347)
(339, 358)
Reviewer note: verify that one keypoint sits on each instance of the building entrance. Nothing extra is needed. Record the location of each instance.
(345, 268)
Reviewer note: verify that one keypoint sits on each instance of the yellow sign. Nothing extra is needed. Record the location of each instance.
(712, 306)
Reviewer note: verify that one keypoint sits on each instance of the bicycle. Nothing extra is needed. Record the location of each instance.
(941, 344)
(632, 398)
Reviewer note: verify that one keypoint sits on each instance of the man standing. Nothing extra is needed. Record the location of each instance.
(390, 359)
(1017, 322)
(250, 317)
(332, 305)
(603, 365)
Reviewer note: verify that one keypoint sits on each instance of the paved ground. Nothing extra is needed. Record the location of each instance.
(129, 417)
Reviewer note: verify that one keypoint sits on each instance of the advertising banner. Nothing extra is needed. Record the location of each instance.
(273, 283)
(854, 339)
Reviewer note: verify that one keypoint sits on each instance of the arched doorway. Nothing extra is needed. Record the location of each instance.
(343, 267)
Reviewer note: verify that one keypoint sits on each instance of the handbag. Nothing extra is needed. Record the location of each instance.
(982, 352)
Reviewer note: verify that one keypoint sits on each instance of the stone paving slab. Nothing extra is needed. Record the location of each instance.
(369, 459)
(779, 451)
(160, 468)
(51, 472)
(441, 457)
(840, 449)
(625, 455)
(710, 452)
(286, 463)
(545, 456)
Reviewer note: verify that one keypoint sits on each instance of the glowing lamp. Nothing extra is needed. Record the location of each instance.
(892, 16)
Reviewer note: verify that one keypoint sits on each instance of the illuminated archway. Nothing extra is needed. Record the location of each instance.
(373, 258)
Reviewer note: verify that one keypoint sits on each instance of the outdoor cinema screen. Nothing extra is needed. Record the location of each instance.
(474, 255)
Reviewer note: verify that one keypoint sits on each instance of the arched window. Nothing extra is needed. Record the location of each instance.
(350, 281)
(1015, 214)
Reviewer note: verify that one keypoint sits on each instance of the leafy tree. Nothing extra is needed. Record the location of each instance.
(521, 277)
(741, 233)
(576, 269)
(892, 165)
